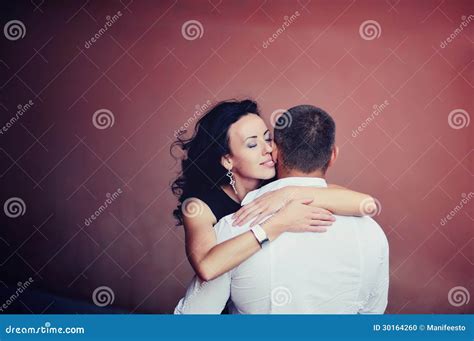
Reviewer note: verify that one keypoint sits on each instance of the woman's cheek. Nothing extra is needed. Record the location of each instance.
(252, 170)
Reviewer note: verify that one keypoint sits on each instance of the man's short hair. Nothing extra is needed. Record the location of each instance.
(306, 141)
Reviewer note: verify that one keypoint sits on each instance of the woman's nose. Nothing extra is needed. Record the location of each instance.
(268, 148)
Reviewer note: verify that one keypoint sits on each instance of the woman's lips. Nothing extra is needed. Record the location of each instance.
(268, 163)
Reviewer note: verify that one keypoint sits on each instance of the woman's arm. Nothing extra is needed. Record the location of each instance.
(336, 199)
(210, 260)
(201, 246)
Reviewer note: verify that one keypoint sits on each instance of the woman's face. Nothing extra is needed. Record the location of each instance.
(251, 143)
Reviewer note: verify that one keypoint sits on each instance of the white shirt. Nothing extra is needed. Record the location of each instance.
(342, 271)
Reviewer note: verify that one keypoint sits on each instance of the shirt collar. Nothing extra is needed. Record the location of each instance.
(284, 182)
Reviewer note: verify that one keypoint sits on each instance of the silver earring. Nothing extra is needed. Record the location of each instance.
(231, 180)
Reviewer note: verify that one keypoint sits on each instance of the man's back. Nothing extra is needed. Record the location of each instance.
(342, 271)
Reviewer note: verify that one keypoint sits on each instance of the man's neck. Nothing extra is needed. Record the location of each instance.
(287, 173)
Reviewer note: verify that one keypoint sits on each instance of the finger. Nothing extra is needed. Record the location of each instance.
(255, 221)
(321, 210)
(316, 229)
(252, 212)
(319, 216)
(305, 201)
(245, 209)
(256, 217)
(316, 222)
(259, 218)
(240, 211)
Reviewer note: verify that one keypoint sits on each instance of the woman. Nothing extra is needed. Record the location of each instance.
(229, 155)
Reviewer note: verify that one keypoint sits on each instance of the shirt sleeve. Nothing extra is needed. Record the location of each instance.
(205, 297)
(208, 297)
(378, 295)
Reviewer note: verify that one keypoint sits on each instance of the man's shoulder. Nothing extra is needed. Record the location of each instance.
(225, 230)
(225, 221)
(365, 227)
(371, 230)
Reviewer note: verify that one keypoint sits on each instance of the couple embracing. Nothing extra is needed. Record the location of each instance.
(265, 233)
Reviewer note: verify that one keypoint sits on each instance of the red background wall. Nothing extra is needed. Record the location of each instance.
(410, 156)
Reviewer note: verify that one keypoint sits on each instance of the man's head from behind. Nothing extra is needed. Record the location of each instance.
(306, 144)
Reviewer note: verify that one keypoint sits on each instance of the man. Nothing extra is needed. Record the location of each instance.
(342, 271)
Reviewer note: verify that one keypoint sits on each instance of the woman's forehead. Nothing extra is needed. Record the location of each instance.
(248, 125)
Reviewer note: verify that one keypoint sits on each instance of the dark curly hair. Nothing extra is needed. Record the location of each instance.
(201, 168)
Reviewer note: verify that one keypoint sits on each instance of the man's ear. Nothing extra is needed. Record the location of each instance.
(334, 155)
(226, 162)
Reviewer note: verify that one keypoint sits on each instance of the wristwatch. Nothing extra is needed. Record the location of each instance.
(260, 235)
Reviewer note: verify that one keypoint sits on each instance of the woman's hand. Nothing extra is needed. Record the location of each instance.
(264, 206)
(299, 216)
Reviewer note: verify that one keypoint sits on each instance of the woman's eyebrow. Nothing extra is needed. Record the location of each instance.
(255, 136)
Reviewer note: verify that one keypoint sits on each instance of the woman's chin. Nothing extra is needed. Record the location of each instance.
(264, 173)
(269, 173)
